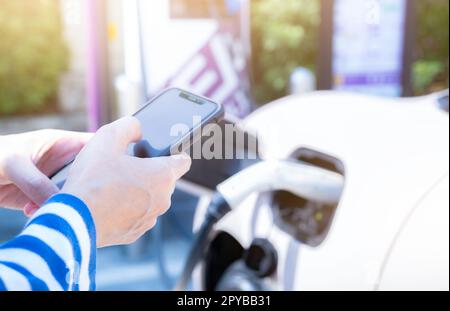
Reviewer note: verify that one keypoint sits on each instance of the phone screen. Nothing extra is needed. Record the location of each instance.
(169, 117)
(165, 121)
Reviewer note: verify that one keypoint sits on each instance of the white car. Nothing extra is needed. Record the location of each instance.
(390, 229)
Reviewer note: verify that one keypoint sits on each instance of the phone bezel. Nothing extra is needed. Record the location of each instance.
(195, 133)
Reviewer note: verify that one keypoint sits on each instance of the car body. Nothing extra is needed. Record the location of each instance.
(390, 230)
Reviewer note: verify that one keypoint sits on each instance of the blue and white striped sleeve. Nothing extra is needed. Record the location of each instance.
(55, 251)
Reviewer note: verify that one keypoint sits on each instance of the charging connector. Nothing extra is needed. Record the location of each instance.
(217, 209)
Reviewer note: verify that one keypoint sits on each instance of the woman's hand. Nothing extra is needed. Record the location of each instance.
(26, 161)
(125, 194)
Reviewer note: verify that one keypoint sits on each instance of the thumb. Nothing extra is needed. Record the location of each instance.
(180, 164)
(30, 180)
(119, 134)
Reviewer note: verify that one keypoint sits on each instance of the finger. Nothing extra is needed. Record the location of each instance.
(62, 152)
(160, 208)
(12, 197)
(81, 137)
(120, 134)
(30, 208)
(145, 226)
(165, 206)
(179, 164)
(30, 180)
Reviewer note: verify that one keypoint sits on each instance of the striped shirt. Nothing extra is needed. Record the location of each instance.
(55, 251)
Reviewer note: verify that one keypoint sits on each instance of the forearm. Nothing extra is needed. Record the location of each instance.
(55, 251)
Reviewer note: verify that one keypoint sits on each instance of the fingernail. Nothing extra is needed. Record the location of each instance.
(30, 208)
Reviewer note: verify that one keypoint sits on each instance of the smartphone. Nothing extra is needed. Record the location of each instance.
(171, 122)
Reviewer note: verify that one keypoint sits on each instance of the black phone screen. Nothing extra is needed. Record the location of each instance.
(169, 117)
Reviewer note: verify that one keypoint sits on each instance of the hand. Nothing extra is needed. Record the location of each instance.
(125, 194)
(26, 161)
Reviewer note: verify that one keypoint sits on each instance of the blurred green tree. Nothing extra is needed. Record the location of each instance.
(284, 36)
(32, 55)
(430, 69)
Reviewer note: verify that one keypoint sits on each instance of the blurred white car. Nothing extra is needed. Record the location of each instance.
(390, 230)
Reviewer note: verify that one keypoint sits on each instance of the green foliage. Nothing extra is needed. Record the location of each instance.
(32, 55)
(430, 70)
(284, 36)
(426, 74)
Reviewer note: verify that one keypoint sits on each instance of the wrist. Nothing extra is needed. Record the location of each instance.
(79, 206)
(75, 192)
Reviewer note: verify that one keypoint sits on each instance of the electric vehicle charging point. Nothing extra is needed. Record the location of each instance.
(305, 181)
(240, 181)
(343, 245)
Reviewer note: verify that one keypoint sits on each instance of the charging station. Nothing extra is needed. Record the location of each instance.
(200, 46)
(366, 46)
